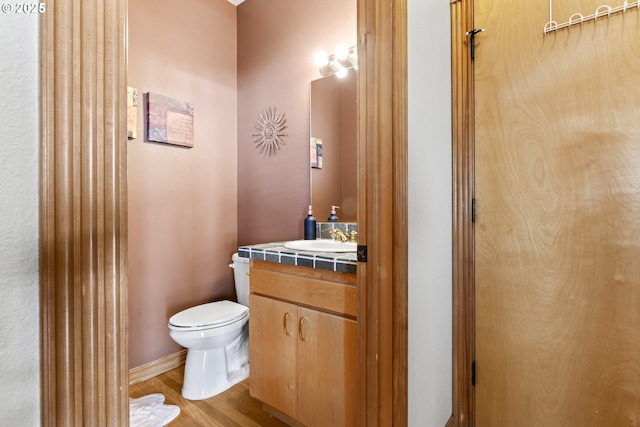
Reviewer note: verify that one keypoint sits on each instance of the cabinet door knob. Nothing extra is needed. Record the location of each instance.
(285, 323)
(300, 333)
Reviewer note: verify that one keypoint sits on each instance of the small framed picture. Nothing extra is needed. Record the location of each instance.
(316, 153)
(132, 112)
(169, 120)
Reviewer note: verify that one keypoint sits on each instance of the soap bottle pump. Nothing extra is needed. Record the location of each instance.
(310, 226)
(333, 216)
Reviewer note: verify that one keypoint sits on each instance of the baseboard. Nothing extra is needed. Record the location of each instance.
(157, 367)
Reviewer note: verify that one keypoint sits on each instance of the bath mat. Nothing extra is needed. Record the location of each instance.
(150, 411)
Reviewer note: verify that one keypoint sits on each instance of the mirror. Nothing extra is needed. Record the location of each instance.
(333, 123)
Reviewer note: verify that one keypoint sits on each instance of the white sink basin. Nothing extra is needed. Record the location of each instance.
(321, 245)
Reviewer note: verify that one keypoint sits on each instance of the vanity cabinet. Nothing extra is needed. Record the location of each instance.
(303, 343)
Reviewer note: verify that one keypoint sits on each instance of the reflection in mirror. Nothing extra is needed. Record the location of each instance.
(334, 177)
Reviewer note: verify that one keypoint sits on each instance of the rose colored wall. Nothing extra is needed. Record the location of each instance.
(182, 201)
(276, 43)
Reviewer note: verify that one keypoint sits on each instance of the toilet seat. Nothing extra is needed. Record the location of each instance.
(209, 316)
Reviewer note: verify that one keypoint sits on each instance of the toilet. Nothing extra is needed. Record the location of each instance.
(216, 336)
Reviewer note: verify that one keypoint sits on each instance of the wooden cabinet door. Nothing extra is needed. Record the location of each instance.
(273, 353)
(327, 363)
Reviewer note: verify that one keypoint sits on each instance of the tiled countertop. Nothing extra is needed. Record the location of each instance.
(276, 252)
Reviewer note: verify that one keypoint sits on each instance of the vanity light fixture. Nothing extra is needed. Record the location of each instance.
(338, 63)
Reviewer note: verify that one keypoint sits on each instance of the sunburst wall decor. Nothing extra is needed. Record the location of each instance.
(270, 127)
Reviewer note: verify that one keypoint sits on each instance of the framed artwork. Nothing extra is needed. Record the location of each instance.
(316, 153)
(132, 112)
(169, 120)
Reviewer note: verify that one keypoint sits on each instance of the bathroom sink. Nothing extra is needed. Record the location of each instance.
(321, 245)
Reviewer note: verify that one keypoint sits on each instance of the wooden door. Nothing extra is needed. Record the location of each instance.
(557, 190)
(273, 353)
(327, 369)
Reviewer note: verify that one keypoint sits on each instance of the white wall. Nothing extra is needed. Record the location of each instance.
(19, 283)
(430, 214)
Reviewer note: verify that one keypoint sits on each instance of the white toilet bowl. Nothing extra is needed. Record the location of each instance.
(216, 336)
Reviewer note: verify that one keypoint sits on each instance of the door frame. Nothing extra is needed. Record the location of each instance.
(463, 228)
(382, 213)
(83, 214)
(83, 236)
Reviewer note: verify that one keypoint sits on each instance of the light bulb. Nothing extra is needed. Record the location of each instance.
(342, 52)
(321, 59)
(341, 73)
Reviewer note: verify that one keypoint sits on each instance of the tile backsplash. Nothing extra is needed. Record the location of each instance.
(323, 228)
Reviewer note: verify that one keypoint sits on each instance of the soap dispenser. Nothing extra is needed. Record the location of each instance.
(310, 226)
(333, 216)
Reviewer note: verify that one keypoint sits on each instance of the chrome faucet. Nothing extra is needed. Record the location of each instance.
(339, 235)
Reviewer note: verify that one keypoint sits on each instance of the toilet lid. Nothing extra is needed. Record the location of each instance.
(213, 314)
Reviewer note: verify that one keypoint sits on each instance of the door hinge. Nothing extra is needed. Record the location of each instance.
(473, 373)
(361, 254)
(472, 41)
(473, 210)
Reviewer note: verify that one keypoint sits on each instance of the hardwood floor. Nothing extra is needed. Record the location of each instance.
(233, 408)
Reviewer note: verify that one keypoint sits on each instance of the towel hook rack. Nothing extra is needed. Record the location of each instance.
(578, 18)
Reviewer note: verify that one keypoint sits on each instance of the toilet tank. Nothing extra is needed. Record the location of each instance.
(241, 277)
